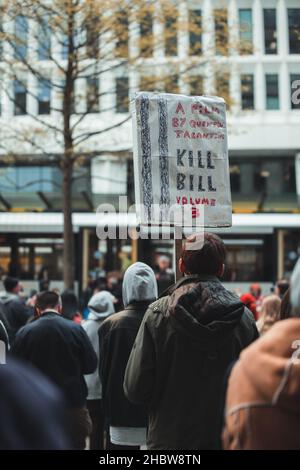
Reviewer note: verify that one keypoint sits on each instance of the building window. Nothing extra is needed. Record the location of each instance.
(272, 91)
(122, 89)
(295, 94)
(171, 84)
(222, 87)
(148, 83)
(294, 30)
(20, 98)
(196, 85)
(221, 31)
(92, 95)
(44, 96)
(270, 27)
(170, 31)
(122, 36)
(235, 178)
(247, 91)
(44, 39)
(21, 37)
(146, 34)
(246, 40)
(195, 25)
(92, 38)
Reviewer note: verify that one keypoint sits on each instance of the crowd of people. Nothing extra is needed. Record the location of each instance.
(191, 366)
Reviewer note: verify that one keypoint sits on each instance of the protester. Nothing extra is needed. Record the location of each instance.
(63, 352)
(255, 290)
(250, 302)
(185, 343)
(270, 313)
(164, 276)
(100, 307)
(262, 407)
(15, 311)
(70, 306)
(281, 287)
(127, 422)
(31, 410)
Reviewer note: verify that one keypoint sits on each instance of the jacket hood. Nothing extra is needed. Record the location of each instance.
(6, 297)
(101, 305)
(139, 284)
(272, 364)
(204, 310)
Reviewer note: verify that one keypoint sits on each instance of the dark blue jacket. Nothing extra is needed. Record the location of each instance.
(60, 349)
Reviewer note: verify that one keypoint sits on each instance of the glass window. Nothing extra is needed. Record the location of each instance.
(195, 25)
(146, 34)
(92, 38)
(21, 37)
(121, 32)
(171, 44)
(148, 83)
(235, 178)
(295, 94)
(222, 87)
(92, 95)
(122, 101)
(44, 39)
(270, 27)
(245, 20)
(221, 31)
(196, 85)
(171, 84)
(20, 98)
(272, 91)
(247, 91)
(294, 30)
(44, 96)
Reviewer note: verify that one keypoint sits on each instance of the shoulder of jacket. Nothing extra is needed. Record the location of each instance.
(159, 306)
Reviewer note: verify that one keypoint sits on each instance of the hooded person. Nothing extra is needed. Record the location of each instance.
(100, 307)
(184, 346)
(262, 405)
(126, 422)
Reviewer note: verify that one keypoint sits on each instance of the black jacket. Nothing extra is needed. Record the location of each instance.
(31, 410)
(116, 337)
(184, 346)
(16, 313)
(62, 350)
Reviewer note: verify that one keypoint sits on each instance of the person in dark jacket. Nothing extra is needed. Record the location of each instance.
(31, 410)
(183, 348)
(15, 310)
(63, 352)
(126, 422)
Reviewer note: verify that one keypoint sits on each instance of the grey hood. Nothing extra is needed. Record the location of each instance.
(7, 297)
(139, 284)
(101, 305)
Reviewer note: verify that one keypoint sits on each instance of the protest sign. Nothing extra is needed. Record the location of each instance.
(181, 158)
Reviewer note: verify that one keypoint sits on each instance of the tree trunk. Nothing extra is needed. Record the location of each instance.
(68, 252)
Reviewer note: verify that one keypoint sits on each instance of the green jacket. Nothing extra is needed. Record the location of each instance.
(185, 344)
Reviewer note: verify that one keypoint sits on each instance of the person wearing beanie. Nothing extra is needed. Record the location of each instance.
(262, 405)
(126, 423)
(100, 307)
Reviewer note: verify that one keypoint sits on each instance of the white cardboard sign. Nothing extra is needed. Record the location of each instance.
(181, 158)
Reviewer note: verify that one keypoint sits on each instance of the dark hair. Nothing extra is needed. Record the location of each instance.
(69, 303)
(10, 283)
(282, 286)
(286, 307)
(207, 260)
(47, 299)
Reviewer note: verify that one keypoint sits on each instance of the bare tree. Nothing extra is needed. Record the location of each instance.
(57, 45)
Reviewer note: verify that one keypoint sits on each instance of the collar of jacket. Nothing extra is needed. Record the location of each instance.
(49, 312)
(187, 279)
(138, 306)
